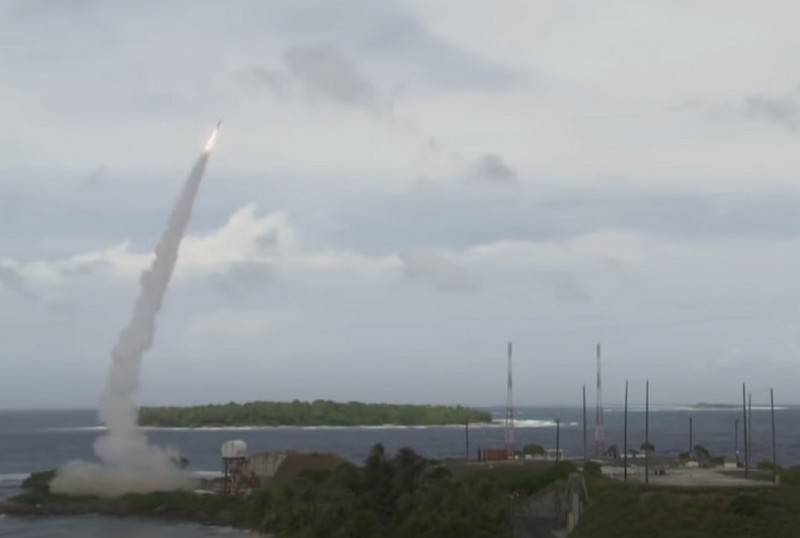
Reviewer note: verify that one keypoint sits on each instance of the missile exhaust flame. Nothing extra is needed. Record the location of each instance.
(212, 140)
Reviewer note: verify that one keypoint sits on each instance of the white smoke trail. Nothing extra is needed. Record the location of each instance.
(129, 463)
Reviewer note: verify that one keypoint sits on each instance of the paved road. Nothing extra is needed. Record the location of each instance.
(684, 477)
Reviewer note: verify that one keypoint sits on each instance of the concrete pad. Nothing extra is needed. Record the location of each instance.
(689, 477)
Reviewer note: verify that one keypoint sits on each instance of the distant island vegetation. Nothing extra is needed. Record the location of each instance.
(316, 413)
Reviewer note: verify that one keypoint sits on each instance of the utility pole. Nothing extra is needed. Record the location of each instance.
(466, 438)
(744, 426)
(625, 442)
(750, 427)
(584, 422)
(774, 457)
(509, 408)
(599, 434)
(558, 440)
(691, 436)
(647, 432)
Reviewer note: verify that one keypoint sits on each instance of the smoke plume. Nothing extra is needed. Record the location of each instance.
(129, 464)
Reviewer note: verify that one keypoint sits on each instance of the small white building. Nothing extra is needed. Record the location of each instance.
(554, 455)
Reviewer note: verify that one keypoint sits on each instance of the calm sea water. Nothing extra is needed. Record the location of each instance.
(40, 440)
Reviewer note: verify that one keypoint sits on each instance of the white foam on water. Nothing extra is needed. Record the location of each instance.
(74, 429)
(694, 409)
(269, 428)
(525, 423)
(496, 423)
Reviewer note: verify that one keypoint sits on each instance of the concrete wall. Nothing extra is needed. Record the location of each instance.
(553, 512)
(264, 466)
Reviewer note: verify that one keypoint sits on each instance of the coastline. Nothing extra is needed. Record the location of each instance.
(305, 501)
(495, 423)
(103, 507)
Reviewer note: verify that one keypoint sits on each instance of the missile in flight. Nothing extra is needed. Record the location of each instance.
(213, 138)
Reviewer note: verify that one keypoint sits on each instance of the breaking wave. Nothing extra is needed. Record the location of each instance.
(496, 423)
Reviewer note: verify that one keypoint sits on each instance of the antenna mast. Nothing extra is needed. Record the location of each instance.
(509, 421)
(599, 434)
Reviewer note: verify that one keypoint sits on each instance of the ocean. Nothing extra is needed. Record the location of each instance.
(40, 440)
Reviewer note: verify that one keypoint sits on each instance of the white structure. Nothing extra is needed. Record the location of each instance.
(234, 456)
(234, 449)
(551, 454)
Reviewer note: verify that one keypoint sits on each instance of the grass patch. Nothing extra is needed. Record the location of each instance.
(621, 510)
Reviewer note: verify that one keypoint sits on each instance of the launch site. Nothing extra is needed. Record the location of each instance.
(399, 269)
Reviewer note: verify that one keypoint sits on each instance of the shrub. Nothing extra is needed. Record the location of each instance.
(790, 476)
(766, 465)
(746, 505)
(39, 482)
(701, 453)
(533, 450)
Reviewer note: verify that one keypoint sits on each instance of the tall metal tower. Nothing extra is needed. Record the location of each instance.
(509, 421)
(599, 434)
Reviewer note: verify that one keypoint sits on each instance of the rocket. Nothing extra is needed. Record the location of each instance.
(213, 138)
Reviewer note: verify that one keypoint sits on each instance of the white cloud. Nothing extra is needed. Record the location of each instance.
(440, 269)
(236, 326)
(633, 219)
(245, 238)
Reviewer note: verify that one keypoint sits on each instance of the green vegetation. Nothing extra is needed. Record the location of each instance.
(533, 450)
(765, 465)
(701, 453)
(39, 482)
(316, 413)
(631, 510)
(592, 468)
(404, 496)
(400, 496)
(703, 457)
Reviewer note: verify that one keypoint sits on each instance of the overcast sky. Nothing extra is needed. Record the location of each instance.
(400, 188)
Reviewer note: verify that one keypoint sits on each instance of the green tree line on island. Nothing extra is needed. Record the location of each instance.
(316, 413)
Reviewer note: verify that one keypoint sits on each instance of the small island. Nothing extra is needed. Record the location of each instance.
(316, 413)
(707, 405)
